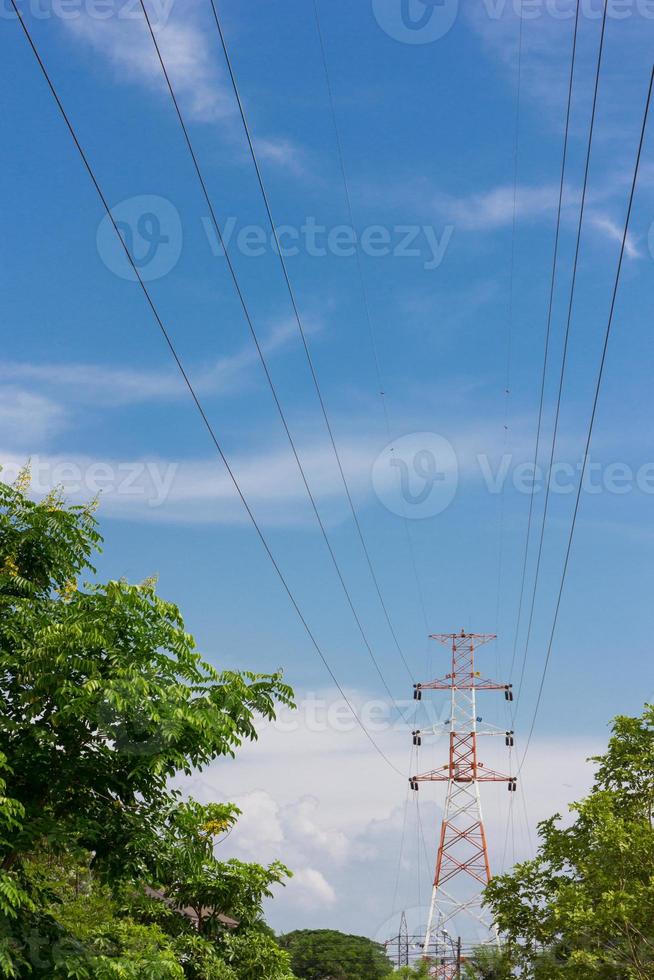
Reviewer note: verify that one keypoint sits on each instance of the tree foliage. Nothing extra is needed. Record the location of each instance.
(104, 698)
(584, 907)
(324, 954)
(418, 971)
(490, 962)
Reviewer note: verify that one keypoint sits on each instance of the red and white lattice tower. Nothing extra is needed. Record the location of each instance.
(462, 849)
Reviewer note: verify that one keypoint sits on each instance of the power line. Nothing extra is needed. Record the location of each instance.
(507, 390)
(403, 837)
(565, 351)
(298, 319)
(523, 794)
(593, 413)
(418, 829)
(262, 358)
(548, 331)
(171, 347)
(509, 827)
(364, 295)
(510, 324)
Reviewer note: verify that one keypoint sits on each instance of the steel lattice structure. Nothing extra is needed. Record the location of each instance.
(398, 946)
(462, 848)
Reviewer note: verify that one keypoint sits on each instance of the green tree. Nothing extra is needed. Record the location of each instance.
(418, 971)
(80, 930)
(488, 963)
(192, 877)
(324, 954)
(103, 698)
(584, 907)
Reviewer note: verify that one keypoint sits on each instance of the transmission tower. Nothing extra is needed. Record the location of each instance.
(462, 849)
(400, 943)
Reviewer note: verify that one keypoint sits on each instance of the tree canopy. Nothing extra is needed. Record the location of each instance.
(103, 698)
(584, 906)
(324, 954)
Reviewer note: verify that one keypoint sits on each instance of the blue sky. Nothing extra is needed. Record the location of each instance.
(428, 135)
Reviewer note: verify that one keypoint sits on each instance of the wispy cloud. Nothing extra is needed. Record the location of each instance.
(28, 418)
(126, 44)
(115, 386)
(612, 230)
(493, 208)
(283, 153)
(545, 38)
(199, 491)
(191, 55)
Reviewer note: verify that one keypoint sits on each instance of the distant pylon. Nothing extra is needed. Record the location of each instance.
(462, 849)
(401, 941)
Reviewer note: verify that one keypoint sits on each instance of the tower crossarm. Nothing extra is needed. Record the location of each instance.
(461, 682)
(444, 727)
(463, 639)
(463, 774)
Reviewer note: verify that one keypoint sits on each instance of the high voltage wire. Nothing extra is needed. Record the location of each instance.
(591, 424)
(422, 832)
(507, 384)
(298, 319)
(171, 347)
(510, 325)
(418, 829)
(565, 351)
(548, 330)
(262, 358)
(509, 825)
(403, 836)
(532, 850)
(364, 295)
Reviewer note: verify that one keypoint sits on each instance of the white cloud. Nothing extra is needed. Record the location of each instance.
(192, 55)
(312, 886)
(260, 823)
(116, 385)
(189, 57)
(283, 153)
(91, 382)
(494, 208)
(200, 490)
(613, 231)
(301, 821)
(316, 795)
(28, 418)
